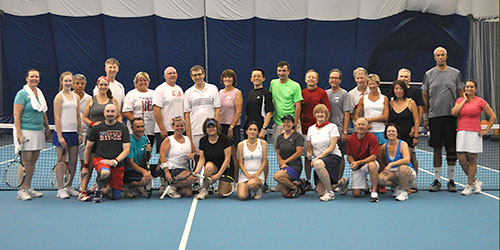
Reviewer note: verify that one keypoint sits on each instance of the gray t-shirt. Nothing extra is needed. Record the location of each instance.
(339, 103)
(442, 87)
(288, 147)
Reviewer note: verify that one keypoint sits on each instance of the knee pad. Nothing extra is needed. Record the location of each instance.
(451, 156)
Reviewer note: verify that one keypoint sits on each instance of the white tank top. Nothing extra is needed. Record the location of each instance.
(252, 160)
(68, 114)
(374, 109)
(177, 149)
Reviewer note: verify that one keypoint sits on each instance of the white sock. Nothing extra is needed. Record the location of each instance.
(451, 172)
(437, 174)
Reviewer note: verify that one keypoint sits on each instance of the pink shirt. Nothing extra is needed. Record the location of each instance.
(227, 108)
(468, 118)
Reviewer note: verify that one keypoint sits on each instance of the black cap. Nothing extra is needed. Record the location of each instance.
(288, 117)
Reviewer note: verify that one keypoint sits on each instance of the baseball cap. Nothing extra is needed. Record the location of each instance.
(288, 117)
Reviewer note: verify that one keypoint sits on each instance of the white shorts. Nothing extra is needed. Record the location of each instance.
(359, 176)
(34, 140)
(196, 142)
(469, 141)
(243, 178)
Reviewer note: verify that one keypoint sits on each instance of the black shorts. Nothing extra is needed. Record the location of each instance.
(236, 133)
(342, 146)
(332, 163)
(228, 175)
(159, 140)
(443, 129)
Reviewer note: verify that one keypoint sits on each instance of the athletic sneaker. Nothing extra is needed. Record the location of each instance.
(309, 186)
(343, 188)
(452, 187)
(381, 189)
(83, 196)
(172, 192)
(71, 191)
(396, 192)
(293, 193)
(477, 184)
(327, 196)
(128, 192)
(258, 194)
(97, 196)
(22, 194)
(265, 188)
(436, 186)
(62, 194)
(33, 193)
(402, 196)
(373, 196)
(202, 194)
(141, 191)
(467, 190)
(276, 188)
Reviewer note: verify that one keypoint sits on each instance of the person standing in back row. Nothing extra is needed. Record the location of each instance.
(112, 66)
(442, 85)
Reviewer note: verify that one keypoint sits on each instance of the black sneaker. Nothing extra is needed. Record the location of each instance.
(452, 187)
(292, 193)
(436, 186)
(265, 188)
(308, 185)
(301, 186)
(97, 196)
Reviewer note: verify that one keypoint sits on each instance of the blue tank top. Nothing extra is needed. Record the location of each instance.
(398, 155)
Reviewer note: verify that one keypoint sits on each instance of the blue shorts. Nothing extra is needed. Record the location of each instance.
(292, 173)
(71, 139)
(380, 137)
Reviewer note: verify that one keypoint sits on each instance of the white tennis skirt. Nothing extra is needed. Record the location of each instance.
(34, 140)
(469, 141)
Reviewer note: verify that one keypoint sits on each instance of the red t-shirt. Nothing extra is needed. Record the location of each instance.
(311, 99)
(468, 118)
(364, 148)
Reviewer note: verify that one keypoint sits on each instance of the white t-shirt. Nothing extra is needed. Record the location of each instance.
(117, 90)
(83, 102)
(171, 101)
(320, 138)
(141, 105)
(201, 105)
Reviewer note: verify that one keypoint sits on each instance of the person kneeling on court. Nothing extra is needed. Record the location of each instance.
(398, 172)
(175, 152)
(137, 176)
(322, 144)
(252, 154)
(362, 151)
(112, 141)
(215, 155)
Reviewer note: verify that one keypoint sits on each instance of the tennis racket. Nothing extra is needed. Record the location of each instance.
(60, 175)
(14, 173)
(190, 165)
(230, 179)
(149, 186)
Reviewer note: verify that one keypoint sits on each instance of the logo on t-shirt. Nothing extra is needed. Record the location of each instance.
(110, 135)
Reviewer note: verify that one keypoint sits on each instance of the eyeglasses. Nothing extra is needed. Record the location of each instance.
(196, 75)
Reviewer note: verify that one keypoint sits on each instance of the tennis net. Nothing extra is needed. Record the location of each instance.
(487, 172)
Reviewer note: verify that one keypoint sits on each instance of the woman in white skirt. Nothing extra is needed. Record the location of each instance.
(469, 133)
(68, 129)
(30, 119)
(252, 157)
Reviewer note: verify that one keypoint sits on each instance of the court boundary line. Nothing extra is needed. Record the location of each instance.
(458, 183)
(444, 156)
(189, 223)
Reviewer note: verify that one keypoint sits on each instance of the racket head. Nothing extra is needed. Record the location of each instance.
(230, 179)
(60, 175)
(14, 174)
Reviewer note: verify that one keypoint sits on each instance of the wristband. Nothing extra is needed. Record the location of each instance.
(163, 165)
(91, 124)
(85, 165)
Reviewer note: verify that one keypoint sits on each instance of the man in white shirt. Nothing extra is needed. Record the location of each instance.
(201, 101)
(112, 66)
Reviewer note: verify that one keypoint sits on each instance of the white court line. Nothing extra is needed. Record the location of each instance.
(189, 222)
(458, 183)
(487, 168)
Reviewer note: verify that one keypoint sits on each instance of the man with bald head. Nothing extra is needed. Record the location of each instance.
(168, 102)
(442, 85)
(362, 151)
(112, 146)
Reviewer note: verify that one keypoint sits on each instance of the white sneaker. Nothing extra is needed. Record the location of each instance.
(396, 192)
(326, 197)
(22, 194)
(477, 184)
(71, 191)
(33, 193)
(332, 195)
(62, 194)
(403, 195)
(467, 190)
(276, 188)
(373, 196)
(258, 194)
(202, 194)
(172, 192)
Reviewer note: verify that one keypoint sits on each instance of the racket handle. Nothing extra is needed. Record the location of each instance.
(163, 195)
